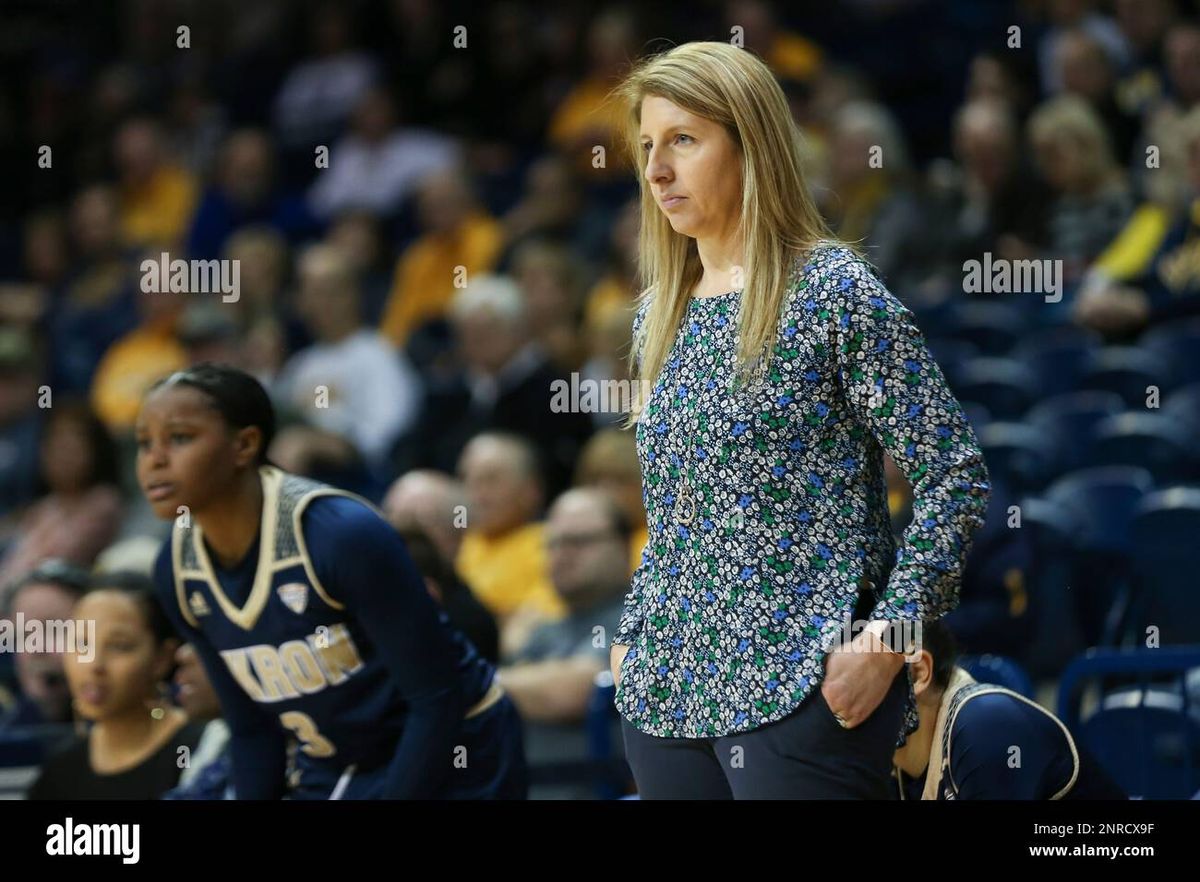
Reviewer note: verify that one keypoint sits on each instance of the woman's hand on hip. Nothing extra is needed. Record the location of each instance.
(616, 656)
(858, 676)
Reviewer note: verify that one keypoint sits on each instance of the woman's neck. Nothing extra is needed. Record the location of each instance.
(231, 523)
(122, 742)
(718, 257)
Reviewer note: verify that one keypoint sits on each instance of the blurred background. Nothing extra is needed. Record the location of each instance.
(1063, 129)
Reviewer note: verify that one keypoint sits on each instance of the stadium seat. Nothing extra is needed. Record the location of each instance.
(1070, 420)
(1058, 356)
(1128, 371)
(1183, 406)
(1102, 502)
(1018, 453)
(994, 328)
(1149, 440)
(1005, 387)
(1147, 736)
(1166, 560)
(1057, 633)
(1179, 344)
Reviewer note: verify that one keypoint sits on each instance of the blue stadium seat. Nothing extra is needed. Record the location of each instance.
(1071, 420)
(1018, 453)
(1183, 406)
(1147, 736)
(1102, 502)
(1000, 671)
(1057, 633)
(1166, 561)
(993, 327)
(1059, 356)
(1179, 343)
(1128, 371)
(1005, 387)
(1149, 440)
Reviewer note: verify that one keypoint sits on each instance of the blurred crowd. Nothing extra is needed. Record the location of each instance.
(426, 241)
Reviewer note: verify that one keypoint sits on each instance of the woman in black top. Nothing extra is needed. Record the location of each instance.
(137, 744)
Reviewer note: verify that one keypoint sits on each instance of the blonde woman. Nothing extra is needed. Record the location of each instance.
(781, 371)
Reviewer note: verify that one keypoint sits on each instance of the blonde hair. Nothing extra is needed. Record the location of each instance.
(779, 219)
(1071, 119)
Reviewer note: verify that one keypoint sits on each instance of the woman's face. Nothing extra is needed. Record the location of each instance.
(694, 170)
(128, 661)
(186, 454)
(66, 458)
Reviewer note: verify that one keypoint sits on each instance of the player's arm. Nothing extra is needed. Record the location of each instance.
(257, 744)
(552, 691)
(363, 563)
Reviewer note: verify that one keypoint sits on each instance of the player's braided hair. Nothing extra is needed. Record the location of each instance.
(236, 395)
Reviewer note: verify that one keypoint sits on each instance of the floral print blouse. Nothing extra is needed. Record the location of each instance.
(767, 507)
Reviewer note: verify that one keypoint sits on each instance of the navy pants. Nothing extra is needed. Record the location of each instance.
(493, 765)
(806, 755)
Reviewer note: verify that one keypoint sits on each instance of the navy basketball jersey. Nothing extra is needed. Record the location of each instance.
(294, 649)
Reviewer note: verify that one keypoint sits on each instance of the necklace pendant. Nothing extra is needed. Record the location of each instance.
(685, 504)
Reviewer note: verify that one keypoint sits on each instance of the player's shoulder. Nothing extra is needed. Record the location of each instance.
(1000, 714)
(336, 514)
(164, 569)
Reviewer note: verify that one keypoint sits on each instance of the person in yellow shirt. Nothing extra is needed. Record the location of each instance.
(609, 462)
(587, 117)
(158, 199)
(503, 557)
(460, 238)
(132, 364)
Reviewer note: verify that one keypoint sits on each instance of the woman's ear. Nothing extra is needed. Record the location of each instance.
(247, 444)
(920, 672)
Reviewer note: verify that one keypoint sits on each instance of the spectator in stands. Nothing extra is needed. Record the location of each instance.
(609, 463)
(459, 241)
(550, 279)
(157, 195)
(585, 118)
(430, 502)
(1087, 71)
(377, 165)
(245, 192)
(320, 92)
(207, 772)
(353, 390)
(1091, 200)
(503, 556)
(133, 363)
(969, 732)
(47, 594)
(993, 202)
(97, 304)
(875, 203)
(552, 677)
(79, 512)
(20, 427)
(1151, 271)
(504, 383)
(120, 684)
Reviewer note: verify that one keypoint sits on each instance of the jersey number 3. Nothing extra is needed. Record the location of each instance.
(311, 741)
